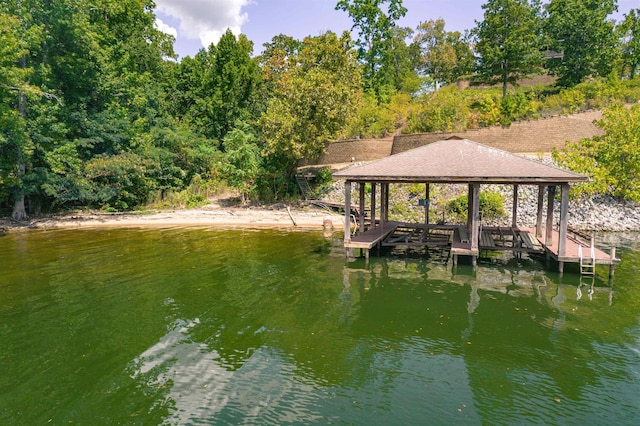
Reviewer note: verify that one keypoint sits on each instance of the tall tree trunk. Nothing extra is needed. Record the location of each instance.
(19, 212)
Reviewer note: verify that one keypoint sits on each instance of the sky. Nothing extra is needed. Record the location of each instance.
(198, 23)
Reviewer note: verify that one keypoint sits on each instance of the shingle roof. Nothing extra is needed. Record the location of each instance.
(458, 161)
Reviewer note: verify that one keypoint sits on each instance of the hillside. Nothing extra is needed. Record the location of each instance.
(531, 136)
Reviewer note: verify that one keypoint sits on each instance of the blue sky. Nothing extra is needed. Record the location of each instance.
(197, 23)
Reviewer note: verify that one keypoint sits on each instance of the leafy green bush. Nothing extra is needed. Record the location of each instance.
(611, 161)
(446, 110)
(485, 110)
(567, 101)
(324, 176)
(517, 106)
(491, 205)
(373, 119)
(630, 90)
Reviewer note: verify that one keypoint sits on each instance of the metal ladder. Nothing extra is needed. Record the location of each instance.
(303, 184)
(587, 265)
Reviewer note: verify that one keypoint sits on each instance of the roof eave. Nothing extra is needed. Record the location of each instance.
(467, 179)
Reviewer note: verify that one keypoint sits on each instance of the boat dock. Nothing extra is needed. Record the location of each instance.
(580, 248)
(464, 162)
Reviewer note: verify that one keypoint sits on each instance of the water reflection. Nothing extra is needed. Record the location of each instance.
(200, 388)
(270, 327)
(513, 329)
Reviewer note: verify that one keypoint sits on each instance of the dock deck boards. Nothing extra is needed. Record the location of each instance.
(410, 234)
(510, 239)
(460, 244)
(571, 255)
(371, 237)
(491, 238)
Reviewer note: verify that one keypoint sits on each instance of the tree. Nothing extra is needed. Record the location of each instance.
(278, 56)
(375, 33)
(242, 155)
(398, 72)
(580, 29)
(216, 88)
(629, 33)
(234, 78)
(18, 33)
(611, 161)
(312, 101)
(508, 42)
(444, 55)
(12, 76)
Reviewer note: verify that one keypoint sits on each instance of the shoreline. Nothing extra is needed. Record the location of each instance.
(596, 214)
(211, 215)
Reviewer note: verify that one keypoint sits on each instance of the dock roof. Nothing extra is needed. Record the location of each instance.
(458, 161)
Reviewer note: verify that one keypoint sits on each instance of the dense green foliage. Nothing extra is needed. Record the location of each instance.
(451, 109)
(491, 205)
(509, 40)
(580, 29)
(445, 55)
(312, 101)
(629, 34)
(377, 41)
(612, 161)
(95, 111)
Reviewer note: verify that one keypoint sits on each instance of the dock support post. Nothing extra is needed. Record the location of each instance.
(427, 202)
(564, 208)
(548, 237)
(561, 267)
(373, 204)
(474, 218)
(612, 264)
(382, 214)
(361, 208)
(386, 202)
(514, 210)
(474, 215)
(347, 211)
(540, 211)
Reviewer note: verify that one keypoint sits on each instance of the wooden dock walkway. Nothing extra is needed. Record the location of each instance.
(510, 238)
(572, 254)
(393, 233)
(372, 237)
(456, 239)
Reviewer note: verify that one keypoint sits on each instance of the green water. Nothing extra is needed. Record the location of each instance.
(203, 326)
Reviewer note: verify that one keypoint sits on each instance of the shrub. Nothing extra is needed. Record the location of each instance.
(611, 161)
(446, 110)
(324, 176)
(486, 109)
(373, 119)
(491, 205)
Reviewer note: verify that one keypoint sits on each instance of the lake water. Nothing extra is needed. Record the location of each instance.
(204, 326)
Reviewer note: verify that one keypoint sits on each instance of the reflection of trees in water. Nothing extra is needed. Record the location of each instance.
(275, 304)
(509, 325)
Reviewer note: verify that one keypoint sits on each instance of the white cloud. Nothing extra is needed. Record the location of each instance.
(206, 20)
(165, 28)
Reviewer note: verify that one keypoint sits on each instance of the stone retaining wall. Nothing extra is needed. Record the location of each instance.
(354, 150)
(534, 136)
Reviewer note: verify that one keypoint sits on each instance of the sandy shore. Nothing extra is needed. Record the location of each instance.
(212, 215)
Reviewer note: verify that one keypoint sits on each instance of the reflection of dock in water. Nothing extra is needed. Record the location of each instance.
(487, 279)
